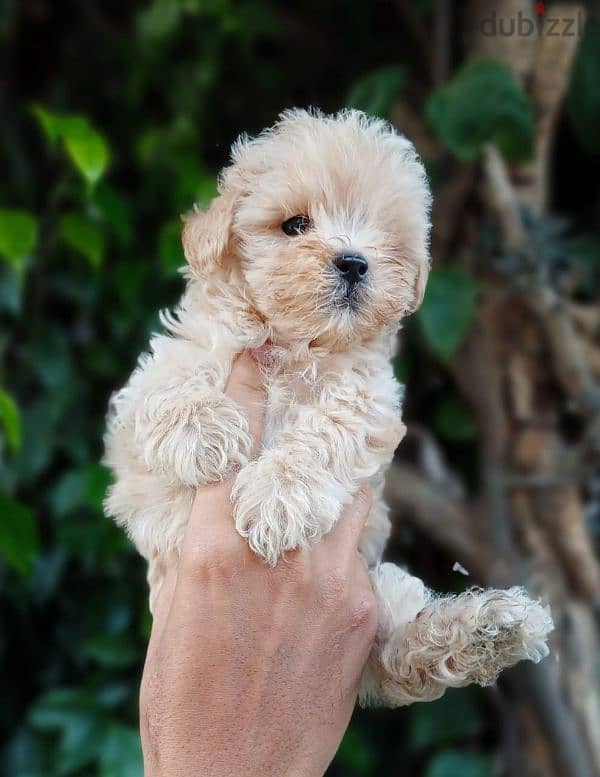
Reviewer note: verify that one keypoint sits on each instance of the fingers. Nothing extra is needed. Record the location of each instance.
(348, 530)
(247, 389)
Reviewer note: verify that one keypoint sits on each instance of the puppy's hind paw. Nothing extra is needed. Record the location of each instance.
(282, 502)
(458, 640)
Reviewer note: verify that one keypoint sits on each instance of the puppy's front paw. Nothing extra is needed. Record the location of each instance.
(283, 501)
(201, 444)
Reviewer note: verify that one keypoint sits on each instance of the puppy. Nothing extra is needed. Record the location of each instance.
(317, 245)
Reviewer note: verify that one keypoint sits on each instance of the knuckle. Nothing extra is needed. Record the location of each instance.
(363, 615)
(210, 559)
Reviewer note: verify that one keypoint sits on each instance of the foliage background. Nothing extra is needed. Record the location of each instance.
(115, 117)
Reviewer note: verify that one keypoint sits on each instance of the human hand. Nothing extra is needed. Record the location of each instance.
(254, 670)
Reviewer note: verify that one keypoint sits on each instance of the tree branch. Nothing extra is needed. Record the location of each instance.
(448, 522)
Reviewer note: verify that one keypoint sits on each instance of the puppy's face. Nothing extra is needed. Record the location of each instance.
(329, 220)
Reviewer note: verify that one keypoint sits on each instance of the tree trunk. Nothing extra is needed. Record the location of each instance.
(529, 361)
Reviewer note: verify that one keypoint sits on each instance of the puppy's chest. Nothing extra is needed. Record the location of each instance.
(291, 393)
(287, 393)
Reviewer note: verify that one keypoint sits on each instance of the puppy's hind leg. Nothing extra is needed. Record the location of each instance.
(426, 644)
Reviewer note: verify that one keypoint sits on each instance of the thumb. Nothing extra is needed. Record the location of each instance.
(348, 530)
(247, 389)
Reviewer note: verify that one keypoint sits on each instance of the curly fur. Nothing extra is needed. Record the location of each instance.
(333, 407)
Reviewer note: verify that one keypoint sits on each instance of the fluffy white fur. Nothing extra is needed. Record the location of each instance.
(333, 409)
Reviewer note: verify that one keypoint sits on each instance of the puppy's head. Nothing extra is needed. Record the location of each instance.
(328, 219)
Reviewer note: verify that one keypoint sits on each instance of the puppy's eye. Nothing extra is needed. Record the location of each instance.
(296, 225)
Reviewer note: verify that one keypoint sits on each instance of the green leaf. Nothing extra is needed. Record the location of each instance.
(453, 762)
(378, 91)
(49, 122)
(97, 480)
(170, 251)
(10, 418)
(81, 720)
(145, 623)
(111, 650)
(80, 744)
(18, 235)
(149, 144)
(115, 211)
(448, 310)
(400, 368)
(355, 752)
(19, 542)
(453, 419)
(585, 249)
(50, 359)
(159, 20)
(92, 540)
(583, 98)
(60, 707)
(83, 235)
(83, 487)
(86, 147)
(456, 715)
(205, 189)
(11, 288)
(23, 754)
(121, 753)
(483, 103)
(193, 182)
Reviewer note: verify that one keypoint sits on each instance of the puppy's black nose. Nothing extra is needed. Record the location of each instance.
(353, 267)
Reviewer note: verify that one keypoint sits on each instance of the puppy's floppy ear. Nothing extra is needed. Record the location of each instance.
(207, 233)
(419, 287)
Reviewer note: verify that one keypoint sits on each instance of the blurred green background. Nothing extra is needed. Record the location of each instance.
(114, 118)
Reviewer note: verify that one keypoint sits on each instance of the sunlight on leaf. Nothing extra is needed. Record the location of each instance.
(18, 235)
(86, 147)
(88, 150)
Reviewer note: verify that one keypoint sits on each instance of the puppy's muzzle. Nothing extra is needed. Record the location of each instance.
(352, 267)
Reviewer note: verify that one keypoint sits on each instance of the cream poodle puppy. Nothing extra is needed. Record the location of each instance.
(317, 246)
